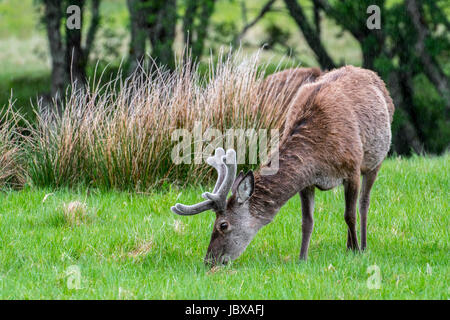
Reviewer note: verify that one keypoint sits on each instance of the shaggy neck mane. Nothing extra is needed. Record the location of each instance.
(273, 191)
(298, 159)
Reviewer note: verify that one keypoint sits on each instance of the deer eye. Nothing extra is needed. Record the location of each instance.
(223, 226)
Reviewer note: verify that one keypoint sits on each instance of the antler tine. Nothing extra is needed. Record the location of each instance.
(217, 162)
(226, 168)
(184, 210)
(220, 197)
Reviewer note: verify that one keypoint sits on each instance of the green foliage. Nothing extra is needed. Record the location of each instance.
(196, 18)
(224, 33)
(276, 36)
(432, 112)
(17, 20)
(392, 52)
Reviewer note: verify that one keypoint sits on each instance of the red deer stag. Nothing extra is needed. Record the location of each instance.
(282, 86)
(337, 129)
(287, 82)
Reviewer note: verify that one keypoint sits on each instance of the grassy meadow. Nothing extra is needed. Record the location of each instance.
(130, 246)
(85, 195)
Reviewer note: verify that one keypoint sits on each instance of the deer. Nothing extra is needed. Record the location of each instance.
(337, 130)
(283, 85)
(287, 82)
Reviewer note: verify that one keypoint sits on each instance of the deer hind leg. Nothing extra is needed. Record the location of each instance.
(351, 188)
(364, 200)
(307, 199)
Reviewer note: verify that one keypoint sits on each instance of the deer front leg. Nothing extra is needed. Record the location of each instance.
(351, 187)
(307, 199)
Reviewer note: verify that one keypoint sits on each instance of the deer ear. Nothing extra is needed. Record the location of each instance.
(236, 182)
(245, 187)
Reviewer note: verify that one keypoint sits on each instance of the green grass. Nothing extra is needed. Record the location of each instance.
(132, 246)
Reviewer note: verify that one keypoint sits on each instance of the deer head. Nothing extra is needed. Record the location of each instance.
(235, 225)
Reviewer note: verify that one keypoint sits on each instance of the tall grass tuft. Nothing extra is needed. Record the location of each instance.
(119, 135)
(12, 171)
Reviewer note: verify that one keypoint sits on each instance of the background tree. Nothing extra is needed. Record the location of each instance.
(401, 51)
(156, 20)
(138, 32)
(68, 53)
(312, 36)
(161, 23)
(52, 18)
(195, 25)
(409, 51)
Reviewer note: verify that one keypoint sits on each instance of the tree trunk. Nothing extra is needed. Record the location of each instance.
(188, 20)
(317, 19)
(138, 27)
(53, 16)
(406, 137)
(75, 58)
(161, 31)
(206, 10)
(95, 20)
(371, 47)
(311, 36)
(266, 8)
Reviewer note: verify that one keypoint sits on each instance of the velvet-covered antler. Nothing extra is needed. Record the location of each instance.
(226, 167)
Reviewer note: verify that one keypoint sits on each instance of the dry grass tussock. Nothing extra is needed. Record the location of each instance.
(119, 135)
(12, 171)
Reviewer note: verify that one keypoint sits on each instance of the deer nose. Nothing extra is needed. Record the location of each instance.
(212, 260)
(209, 260)
(225, 259)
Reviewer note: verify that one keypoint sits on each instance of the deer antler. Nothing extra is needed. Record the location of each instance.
(226, 169)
